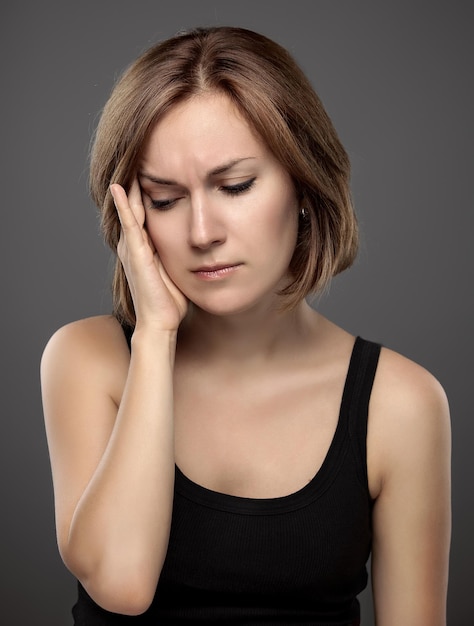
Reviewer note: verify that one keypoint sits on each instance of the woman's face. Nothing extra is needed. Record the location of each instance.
(220, 210)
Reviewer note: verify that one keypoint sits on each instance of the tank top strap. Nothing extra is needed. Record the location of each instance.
(356, 397)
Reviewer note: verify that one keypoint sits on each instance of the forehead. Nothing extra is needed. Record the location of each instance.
(207, 128)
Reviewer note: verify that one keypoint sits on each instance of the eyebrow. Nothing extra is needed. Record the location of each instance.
(220, 169)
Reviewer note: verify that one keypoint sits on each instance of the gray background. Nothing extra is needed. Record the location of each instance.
(396, 77)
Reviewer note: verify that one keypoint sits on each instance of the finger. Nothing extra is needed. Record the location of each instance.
(136, 203)
(131, 229)
(125, 213)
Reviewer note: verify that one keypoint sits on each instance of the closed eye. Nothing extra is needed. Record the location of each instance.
(233, 190)
(162, 205)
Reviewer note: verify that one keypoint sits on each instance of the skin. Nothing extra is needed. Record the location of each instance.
(223, 383)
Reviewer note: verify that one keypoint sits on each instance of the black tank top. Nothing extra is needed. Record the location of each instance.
(297, 559)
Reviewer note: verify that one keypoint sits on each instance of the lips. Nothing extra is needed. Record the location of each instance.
(218, 270)
(215, 268)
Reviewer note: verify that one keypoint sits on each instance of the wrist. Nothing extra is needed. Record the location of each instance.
(152, 339)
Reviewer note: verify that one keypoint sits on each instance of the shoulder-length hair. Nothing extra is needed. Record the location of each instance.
(276, 99)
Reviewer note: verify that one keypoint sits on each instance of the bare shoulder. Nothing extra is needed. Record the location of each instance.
(91, 331)
(408, 391)
(95, 346)
(409, 416)
(99, 335)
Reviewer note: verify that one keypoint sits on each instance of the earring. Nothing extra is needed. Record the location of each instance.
(303, 212)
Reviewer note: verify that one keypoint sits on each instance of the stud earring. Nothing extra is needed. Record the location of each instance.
(303, 212)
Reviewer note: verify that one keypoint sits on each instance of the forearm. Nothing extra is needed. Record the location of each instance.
(119, 532)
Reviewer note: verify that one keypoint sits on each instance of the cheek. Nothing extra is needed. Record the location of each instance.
(158, 230)
(283, 222)
(164, 242)
(169, 256)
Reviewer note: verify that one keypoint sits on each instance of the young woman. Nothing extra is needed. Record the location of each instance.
(221, 453)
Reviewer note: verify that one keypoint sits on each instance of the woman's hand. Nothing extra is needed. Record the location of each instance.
(158, 302)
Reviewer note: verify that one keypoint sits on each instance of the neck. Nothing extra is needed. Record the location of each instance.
(252, 336)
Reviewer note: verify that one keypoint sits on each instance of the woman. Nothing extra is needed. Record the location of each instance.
(220, 451)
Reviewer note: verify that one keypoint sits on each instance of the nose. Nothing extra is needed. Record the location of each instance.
(206, 228)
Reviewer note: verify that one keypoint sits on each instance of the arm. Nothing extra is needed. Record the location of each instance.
(409, 446)
(109, 423)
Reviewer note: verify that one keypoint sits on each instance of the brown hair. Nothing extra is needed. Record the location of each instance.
(277, 100)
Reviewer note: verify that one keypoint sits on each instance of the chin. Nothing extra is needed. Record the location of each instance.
(230, 306)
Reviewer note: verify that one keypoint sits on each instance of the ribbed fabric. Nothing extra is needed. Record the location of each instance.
(298, 559)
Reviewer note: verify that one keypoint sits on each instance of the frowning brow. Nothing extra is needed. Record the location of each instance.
(220, 169)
